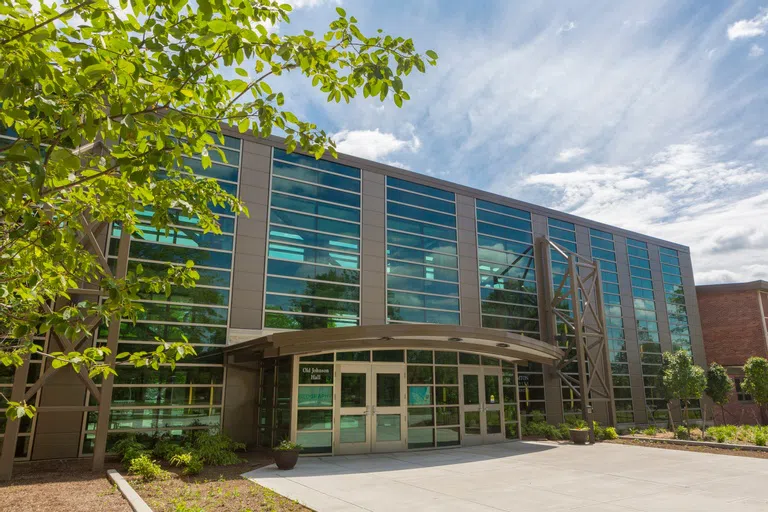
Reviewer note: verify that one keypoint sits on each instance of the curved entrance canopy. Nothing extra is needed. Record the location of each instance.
(506, 345)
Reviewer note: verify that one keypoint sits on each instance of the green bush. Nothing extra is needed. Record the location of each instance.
(166, 449)
(189, 461)
(129, 448)
(760, 438)
(682, 433)
(650, 431)
(543, 429)
(146, 468)
(213, 447)
(599, 431)
(610, 433)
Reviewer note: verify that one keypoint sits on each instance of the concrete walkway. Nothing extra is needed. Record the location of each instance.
(523, 476)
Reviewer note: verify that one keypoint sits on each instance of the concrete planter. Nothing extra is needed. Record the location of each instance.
(579, 436)
(286, 459)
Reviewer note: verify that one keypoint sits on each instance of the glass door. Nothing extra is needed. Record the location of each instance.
(353, 434)
(481, 416)
(471, 405)
(388, 419)
(493, 425)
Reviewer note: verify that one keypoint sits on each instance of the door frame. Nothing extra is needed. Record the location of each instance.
(483, 408)
(402, 410)
(352, 448)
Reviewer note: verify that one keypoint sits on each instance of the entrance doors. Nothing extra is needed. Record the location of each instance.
(371, 408)
(482, 413)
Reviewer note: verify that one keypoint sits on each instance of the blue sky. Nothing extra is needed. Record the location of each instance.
(649, 115)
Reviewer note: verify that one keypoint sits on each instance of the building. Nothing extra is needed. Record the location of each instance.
(362, 307)
(733, 323)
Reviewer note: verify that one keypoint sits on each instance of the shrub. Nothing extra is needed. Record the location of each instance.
(129, 448)
(189, 461)
(599, 431)
(682, 433)
(760, 438)
(166, 449)
(287, 445)
(650, 431)
(610, 433)
(214, 448)
(579, 424)
(146, 468)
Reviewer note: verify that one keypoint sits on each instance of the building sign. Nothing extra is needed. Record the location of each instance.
(315, 374)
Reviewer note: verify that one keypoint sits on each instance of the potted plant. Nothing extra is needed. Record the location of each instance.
(579, 432)
(286, 454)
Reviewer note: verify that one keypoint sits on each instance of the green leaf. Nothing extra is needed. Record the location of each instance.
(97, 70)
(341, 12)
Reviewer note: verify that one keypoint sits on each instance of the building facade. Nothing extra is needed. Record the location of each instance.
(426, 300)
(734, 319)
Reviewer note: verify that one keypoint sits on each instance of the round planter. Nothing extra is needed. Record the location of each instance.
(285, 459)
(579, 436)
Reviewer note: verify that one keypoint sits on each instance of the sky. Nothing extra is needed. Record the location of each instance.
(649, 115)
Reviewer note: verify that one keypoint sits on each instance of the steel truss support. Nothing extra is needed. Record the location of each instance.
(102, 396)
(585, 320)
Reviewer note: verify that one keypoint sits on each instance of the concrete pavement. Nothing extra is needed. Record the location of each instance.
(526, 476)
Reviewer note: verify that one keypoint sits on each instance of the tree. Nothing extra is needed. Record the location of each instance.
(682, 380)
(719, 386)
(104, 103)
(756, 383)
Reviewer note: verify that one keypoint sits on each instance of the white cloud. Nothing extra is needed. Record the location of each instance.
(567, 27)
(749, 28)
(569, 154)
(688, 193)
(374, 144)
(756, 51)
(763, 142)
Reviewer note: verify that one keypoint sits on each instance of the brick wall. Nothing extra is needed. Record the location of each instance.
(732, 326)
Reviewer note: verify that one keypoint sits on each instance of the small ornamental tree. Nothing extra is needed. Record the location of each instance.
(682, 379)
(719, 386)
(756, 383)
(104, 99)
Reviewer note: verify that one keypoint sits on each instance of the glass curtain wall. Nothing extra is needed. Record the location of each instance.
(564, 234)
(677, 312)
(422, 254)
(507, 269)
(313, 253)
(508, 292)
(148, 402)
(604, 251)
(647, 326)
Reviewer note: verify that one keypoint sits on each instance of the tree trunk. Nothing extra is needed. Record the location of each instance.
(669, 414)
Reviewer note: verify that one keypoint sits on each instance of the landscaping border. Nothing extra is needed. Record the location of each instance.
(709, 444)
(131, 496)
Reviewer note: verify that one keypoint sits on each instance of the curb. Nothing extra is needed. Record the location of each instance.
(134, 500)
(709, 444)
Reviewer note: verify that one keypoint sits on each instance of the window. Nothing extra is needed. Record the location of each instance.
(421, 254)
(313, 266)
(741, 396)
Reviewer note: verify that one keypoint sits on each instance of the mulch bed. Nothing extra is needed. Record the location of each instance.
(60, 485)
(218, 488)
(687, 448)
(71, 486)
